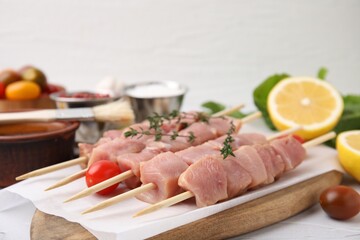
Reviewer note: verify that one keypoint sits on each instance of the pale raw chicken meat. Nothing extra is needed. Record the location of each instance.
(238, 179)
(223, 124)
(192, 154)
(207, 180)
(272, 161)
(112, 134)
(167, 144)
(291, 151)
(131, 161)
(163, 171)
(202, 132)
(252, 167)
(138, 127)
(250, 160)
(212, 147)
(85, 149)
(179, 123)
(111, 150)
(239, 140)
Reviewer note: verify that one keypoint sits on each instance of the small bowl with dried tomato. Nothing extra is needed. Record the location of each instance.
(80, 99)
(89, 131)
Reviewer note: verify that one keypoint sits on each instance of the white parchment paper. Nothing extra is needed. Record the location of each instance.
(116, 222)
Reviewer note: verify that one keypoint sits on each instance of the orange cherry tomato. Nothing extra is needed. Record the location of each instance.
(340, 202)
(22, 90)
(101, 171)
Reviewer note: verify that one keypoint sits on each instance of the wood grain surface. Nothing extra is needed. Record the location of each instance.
(232, 222)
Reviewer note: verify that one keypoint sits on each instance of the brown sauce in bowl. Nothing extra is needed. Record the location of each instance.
(30, 128)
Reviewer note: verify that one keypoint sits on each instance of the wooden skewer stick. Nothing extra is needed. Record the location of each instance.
(52, 168)
(68, 179)
(165, 203)
(284, 133)
(319, 140)
(150, 186)
(123, 176)
(227, 111)
(72, 177)
(186, 195)
(111, 181)
(121, 197)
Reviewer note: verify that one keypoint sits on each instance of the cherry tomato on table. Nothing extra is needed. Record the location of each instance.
(340, 202)
(101, 171)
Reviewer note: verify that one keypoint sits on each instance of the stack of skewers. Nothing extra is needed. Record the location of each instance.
(188, 155)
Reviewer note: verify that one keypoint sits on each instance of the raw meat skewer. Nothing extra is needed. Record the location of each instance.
(130, 173)
(181, 166)
(188, 194)
(92, 158)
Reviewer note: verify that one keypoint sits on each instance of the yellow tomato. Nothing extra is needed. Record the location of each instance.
(22, 90)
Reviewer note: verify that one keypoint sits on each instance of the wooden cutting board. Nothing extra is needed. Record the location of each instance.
(232, 222)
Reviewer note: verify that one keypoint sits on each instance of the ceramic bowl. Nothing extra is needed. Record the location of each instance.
(28, 146)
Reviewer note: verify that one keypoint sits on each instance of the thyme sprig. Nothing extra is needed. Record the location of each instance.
(156, 122)
(226, 150)
(158, 135)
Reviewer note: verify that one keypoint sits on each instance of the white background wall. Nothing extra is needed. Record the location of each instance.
(220, 49)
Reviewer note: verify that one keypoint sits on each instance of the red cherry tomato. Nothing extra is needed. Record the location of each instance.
(52, 88)
(2, 90)
(101, 171)
(340, 202)
(300, 139)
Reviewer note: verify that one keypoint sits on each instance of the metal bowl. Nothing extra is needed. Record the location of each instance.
(151, 97)
(89, 131)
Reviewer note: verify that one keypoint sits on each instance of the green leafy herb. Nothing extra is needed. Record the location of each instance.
(214, 107)
(350, 118)
(156, 122)
(191, 137)
(322, 73)
(226, 150)
(158, 134)
(261, 93)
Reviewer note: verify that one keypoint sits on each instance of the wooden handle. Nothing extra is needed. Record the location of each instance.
(39, 115)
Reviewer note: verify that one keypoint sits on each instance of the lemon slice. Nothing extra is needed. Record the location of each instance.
(309, 102)
(348, 146)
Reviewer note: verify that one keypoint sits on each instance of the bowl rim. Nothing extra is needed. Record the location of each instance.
(57, 98)
(184, 89)
(70, 126)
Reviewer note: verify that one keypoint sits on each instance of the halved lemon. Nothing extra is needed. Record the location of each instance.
(348, 146)
(312, 103)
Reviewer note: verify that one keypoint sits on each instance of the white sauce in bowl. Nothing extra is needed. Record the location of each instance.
(156, 90)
